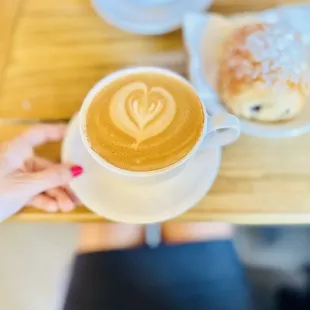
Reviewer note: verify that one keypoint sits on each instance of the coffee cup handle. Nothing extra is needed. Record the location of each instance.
(223, 129)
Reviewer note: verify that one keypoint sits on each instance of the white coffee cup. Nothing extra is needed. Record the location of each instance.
(219, 130)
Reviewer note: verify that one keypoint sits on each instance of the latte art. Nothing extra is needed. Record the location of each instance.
(140, 112)
(144, 121)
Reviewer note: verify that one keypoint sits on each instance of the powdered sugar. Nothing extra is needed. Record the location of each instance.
(278, 56)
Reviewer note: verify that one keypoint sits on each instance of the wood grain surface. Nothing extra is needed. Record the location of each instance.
(52, 52)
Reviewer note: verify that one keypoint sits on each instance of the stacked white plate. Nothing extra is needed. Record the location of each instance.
(149, 17)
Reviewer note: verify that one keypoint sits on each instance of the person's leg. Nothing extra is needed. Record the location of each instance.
(213, 262)
(183, 277)
(95, 274)
(109, 236)
(176, 233)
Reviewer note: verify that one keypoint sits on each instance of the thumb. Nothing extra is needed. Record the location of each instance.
(55, 176)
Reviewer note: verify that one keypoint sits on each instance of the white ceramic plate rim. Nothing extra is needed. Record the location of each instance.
(155, 28)
(296, 127)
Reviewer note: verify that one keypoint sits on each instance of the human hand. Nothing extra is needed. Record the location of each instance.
(28, 179)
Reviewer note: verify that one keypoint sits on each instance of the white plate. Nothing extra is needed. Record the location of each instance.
(203, 36)
(120, 200)
(147, 17)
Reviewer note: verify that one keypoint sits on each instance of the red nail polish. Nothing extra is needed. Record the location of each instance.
(76, 171)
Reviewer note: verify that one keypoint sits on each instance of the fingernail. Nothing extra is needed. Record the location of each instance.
(76, 171)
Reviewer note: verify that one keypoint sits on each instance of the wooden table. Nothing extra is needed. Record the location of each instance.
(52, 52)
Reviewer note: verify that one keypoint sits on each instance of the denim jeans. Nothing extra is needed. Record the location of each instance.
(198, 276)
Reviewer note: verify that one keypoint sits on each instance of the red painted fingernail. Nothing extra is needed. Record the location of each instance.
(76, 171)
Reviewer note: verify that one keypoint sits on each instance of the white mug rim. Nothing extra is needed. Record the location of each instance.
(112, 77)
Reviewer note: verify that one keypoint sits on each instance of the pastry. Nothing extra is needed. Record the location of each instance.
(264, 73)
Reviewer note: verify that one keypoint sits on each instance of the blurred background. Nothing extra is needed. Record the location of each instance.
(64, 45)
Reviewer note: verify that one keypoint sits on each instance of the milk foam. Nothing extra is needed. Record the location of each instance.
(142, 112)
(144, 121)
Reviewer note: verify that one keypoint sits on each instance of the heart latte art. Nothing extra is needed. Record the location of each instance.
(144, 121)
(140, 112)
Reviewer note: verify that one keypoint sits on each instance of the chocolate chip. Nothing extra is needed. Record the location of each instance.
(256, 108)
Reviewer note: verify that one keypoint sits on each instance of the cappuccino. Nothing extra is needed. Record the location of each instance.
(144, 121)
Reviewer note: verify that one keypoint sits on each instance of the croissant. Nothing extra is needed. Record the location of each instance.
(264, 72)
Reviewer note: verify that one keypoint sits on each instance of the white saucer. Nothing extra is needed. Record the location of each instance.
(120, 200)
(147, 16)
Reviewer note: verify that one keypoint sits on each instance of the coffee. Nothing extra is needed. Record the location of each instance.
(144, 121)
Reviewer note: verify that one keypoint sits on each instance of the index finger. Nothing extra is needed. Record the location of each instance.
(40, 134)
(14, 153)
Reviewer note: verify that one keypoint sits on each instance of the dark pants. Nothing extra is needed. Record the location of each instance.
(206, 276)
